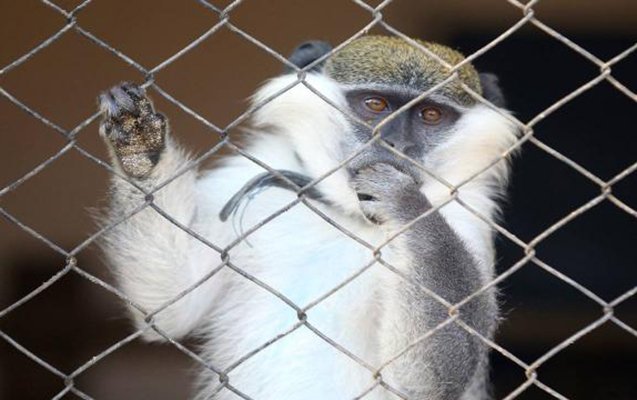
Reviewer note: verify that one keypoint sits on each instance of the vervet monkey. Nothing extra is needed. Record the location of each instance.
(380, 313)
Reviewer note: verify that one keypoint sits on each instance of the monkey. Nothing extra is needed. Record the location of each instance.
(318, 302)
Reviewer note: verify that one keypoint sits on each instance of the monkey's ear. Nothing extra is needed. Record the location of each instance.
(307, 52)
(491, 89)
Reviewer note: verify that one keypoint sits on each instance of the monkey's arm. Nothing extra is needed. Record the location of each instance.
(450, 361)
(153, 258)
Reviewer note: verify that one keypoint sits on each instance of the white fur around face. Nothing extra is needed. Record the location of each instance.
(314, 127)
(481, 137)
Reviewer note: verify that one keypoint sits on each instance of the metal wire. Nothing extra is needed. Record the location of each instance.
(221, 19)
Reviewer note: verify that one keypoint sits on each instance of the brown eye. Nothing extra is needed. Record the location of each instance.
(431, 115)
(376, 104)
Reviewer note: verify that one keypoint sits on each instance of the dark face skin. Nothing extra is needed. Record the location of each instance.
(414, 131)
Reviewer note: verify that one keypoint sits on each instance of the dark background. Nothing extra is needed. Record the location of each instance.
(74, 320)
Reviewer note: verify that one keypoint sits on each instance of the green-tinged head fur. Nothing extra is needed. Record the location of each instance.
(391, 60)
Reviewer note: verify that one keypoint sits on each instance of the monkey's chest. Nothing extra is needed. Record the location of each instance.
(305, 281)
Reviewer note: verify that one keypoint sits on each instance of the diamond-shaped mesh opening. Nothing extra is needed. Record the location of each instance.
(284, 15)
(546, 210)
(412, 16)
(28, 199)
(227, 60)
(557, 69)
(597, 257)
(36, 142)
(593, 140)
(200, 74)
(561, 309)
(587, 354)
(48, 25)
(72, 304)
(112, 378)
(136, 36)
(58, 72)
(20, 374)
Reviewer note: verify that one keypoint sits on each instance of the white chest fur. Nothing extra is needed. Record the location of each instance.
(303, 258)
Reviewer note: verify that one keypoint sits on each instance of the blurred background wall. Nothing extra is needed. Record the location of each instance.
(74, 319)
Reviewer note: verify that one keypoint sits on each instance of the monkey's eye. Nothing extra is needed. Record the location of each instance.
(376, 104)
(431, 115)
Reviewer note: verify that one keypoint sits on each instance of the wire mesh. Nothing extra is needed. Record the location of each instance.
(526, 17)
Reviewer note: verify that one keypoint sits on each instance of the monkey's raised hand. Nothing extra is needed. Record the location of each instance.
(134, 131)
(388, 195)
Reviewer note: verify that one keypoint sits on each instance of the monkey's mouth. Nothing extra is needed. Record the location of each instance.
(266, 180)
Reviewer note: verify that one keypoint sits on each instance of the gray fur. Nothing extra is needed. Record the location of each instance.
(442, 264)
(491, 89)
(308, 52)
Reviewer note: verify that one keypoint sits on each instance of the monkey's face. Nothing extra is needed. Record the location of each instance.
(408, 133)
(375, 80)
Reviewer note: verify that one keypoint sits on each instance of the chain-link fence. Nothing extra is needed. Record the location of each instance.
(229, 143)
